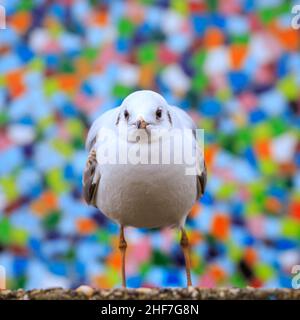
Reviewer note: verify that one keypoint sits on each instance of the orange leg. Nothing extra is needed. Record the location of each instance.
(122, 247)
(184, 242)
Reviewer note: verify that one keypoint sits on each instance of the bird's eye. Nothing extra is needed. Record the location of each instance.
(126, 114)
(158, 113)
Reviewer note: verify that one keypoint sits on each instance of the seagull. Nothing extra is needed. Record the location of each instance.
(142, 195)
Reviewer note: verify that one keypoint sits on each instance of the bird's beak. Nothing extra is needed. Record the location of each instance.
(141, 123)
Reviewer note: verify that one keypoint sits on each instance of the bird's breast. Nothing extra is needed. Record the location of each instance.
(146, 195)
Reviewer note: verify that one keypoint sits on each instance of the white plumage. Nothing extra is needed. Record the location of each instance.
(143, 195)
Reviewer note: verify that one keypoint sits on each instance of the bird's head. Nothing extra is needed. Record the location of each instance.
(144, 109)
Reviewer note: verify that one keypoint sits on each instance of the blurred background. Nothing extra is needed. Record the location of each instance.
(234, 65)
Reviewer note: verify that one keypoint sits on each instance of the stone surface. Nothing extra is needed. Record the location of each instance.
(190, 293)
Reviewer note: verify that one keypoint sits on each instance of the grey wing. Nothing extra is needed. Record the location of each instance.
(91, 174)
(109, 118)
(187, 122)
(91, 179)
(201, 182)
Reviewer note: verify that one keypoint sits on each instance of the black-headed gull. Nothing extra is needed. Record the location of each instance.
(143, 193)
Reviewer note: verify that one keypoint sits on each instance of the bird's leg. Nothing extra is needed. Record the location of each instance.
(122, 247)
(184, 242)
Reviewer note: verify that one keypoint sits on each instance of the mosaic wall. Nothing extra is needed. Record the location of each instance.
(233, 65)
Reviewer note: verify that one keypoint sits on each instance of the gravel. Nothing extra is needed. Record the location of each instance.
(190, 293)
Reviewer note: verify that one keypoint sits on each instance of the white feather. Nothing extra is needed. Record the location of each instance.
(144, 195)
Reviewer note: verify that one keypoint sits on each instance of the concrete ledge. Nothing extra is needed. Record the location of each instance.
(152, 294)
